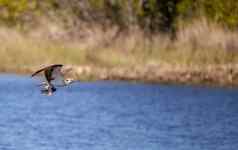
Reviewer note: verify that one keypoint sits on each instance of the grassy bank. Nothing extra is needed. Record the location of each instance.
(199, 46)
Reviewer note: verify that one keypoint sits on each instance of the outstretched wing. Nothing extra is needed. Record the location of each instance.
(55, 67)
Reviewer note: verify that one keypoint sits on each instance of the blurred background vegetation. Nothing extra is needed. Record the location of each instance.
(149, 15)
(119, 32)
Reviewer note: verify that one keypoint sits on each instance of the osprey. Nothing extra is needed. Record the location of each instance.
(51, 72)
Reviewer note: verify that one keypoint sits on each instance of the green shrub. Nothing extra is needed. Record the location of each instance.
(150, 15)
(221, 11)
(12, 11)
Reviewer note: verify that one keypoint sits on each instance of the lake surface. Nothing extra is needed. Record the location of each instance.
(108, 115)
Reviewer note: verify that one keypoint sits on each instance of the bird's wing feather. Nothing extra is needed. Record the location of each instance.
(56, 72)
(38, 71)
(42, 69)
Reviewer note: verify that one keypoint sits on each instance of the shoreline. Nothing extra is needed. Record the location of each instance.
(213, 75)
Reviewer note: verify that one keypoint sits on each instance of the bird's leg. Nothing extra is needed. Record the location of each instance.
(48, 89)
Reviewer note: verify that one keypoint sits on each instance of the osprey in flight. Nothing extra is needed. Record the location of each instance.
(51, 73)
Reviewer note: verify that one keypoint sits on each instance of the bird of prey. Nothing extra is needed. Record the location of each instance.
(51, 73)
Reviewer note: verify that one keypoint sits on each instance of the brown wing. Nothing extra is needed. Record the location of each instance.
(47, 67)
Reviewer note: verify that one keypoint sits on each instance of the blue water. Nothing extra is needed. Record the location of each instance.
(108, 115)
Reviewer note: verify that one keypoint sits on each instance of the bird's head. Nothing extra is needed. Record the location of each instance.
(68, 81)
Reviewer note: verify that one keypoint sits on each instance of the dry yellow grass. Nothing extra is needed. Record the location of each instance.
(199, 43)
